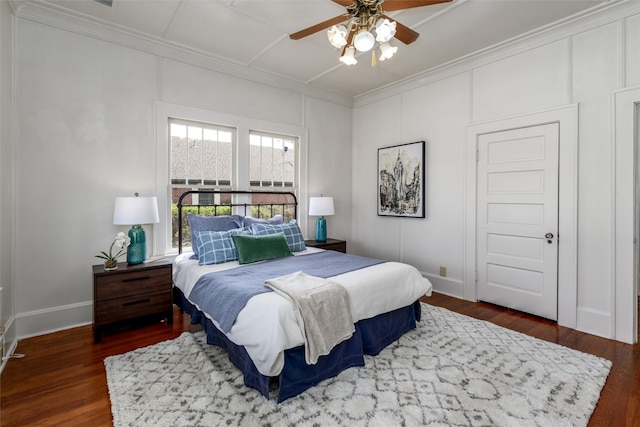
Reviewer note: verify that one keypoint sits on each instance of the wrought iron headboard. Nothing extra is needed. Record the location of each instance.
(284, 203)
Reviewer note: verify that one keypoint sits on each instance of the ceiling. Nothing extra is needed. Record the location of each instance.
(255, 33)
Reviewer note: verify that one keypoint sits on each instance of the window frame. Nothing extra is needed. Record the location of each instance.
(240, 175)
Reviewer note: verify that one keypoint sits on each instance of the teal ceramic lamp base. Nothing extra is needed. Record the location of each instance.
(321, 229)
(137, 250)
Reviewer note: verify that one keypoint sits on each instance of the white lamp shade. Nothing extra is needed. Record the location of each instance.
(349, 56)
(364, 41)
(387, 51)
(135, 211)
(337, 36)
(321, 206)
(385, 30)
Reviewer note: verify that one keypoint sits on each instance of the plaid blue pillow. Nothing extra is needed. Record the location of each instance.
(240, 231)
(215, 247)
(210, 223)
(247, 221)
(291, 231)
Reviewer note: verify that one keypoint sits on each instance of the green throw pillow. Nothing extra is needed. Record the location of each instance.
(259, 248)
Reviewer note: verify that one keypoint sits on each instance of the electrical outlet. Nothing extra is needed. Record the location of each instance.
(443, 271)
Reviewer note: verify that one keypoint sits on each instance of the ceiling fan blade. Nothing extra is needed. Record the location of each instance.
(318, 27)
(391, 5)
(403, 33)
(344, 3)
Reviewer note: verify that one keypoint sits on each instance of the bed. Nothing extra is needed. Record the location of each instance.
(265, 337)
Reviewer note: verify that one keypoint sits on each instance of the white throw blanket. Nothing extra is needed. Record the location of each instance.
(322, 308)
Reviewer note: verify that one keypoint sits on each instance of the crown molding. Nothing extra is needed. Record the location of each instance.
(56, 17)
(597, 16)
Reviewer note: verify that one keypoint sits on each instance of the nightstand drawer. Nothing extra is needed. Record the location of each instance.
(329, 244)
(339, 247)
(131, 283)
(132, 307)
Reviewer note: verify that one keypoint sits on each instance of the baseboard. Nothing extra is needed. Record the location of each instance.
(54, 319)
(594, 322)
(446, 285)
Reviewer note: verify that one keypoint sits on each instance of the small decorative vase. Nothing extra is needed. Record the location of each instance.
(110, 264)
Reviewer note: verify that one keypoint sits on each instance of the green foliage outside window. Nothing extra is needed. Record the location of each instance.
(202, 210)
(266, 212)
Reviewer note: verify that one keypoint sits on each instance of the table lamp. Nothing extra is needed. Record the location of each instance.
(135, 211)
(321, 206)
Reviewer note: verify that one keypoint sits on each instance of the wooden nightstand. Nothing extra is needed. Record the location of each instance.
(131, 292)
(330, 244)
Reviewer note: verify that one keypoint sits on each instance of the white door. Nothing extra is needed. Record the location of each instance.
(517, 219)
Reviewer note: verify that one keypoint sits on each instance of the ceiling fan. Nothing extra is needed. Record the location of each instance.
(364, 24)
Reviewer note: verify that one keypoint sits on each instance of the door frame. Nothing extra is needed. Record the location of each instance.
(567, 118)
(624, 293)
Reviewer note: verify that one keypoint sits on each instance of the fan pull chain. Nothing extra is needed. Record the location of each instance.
(373, 58)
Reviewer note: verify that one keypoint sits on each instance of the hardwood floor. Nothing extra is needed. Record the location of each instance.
(61, 380)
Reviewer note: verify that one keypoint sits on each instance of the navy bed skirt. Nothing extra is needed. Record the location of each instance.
(370, 337)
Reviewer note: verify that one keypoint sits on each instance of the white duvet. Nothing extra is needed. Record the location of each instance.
(267, 325)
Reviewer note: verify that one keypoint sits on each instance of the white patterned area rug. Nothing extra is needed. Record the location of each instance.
(451, 371)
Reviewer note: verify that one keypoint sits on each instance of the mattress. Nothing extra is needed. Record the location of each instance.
(267, 325)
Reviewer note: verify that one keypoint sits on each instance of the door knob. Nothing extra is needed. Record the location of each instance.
(549, 236)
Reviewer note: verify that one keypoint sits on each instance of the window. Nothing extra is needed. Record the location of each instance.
(272, 161)
(203, 156)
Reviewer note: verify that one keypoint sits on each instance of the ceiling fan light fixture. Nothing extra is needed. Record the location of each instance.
(364, 41)
(366, 25)
(349, 57)
(385, 30)
(387, 51)
(337, 36)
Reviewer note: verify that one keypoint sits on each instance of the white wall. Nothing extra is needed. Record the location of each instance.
(330, 158)
(85, 120)
(583, 62)
(6, 178)
(84, 127)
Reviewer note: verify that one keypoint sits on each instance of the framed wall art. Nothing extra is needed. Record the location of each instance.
(401, 173)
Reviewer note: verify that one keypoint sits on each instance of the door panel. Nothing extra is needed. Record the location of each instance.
(522, 248)
(524, 280)
(517, 207)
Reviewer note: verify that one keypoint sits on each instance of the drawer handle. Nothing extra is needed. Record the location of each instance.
(136, 279)
(142, 301)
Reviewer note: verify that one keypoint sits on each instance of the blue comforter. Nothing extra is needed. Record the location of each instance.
(224, 294)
